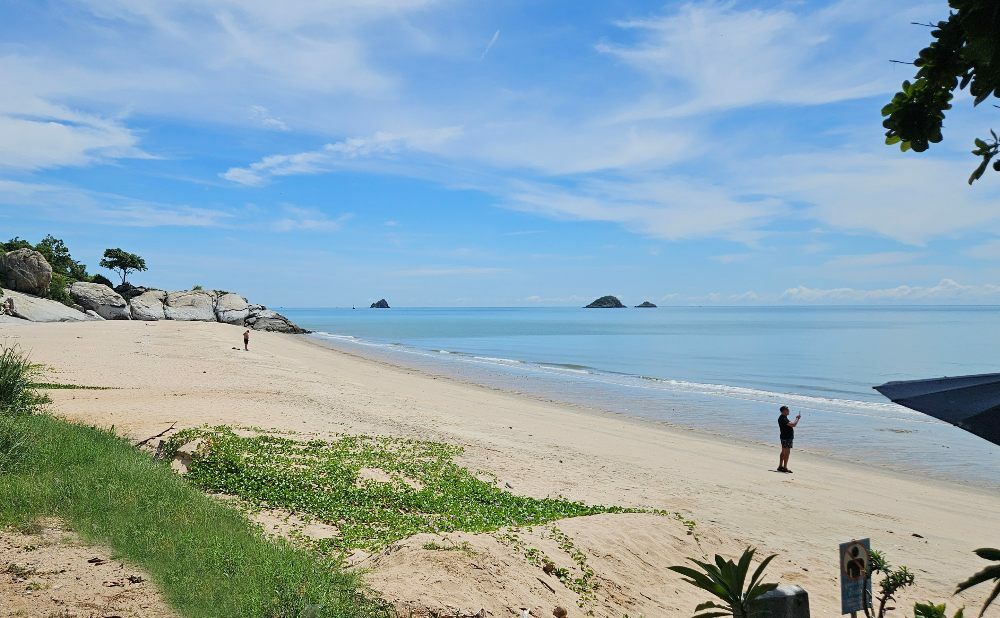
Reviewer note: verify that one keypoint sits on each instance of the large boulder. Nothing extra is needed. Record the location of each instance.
(26, 270)
(192, 305)
(36, 309)
(606, 302)
(148, 306)
(232, 309)
(380, 304)
(100, 299)
(262, 318)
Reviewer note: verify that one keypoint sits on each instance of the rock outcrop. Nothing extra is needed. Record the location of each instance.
(209, 306)
(190, 306)
(25, 270)
(36, 309)
(100, 299)
(148, 306)
(381, 304)
(232, 309)
(606, 302)
(645, 305)
(262, 318)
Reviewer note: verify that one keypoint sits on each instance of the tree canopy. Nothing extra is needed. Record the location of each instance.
(122, 262)
(964, 53)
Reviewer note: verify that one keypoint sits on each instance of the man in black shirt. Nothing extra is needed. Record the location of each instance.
(787, 429)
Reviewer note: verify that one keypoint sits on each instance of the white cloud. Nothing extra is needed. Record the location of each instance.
(449, 271)
(946, 291)
(908, 199)
(35, 134)
(669, 208)
(72, 204)
(263, 115)
(337, 155)
(715, 55)
(295, 218)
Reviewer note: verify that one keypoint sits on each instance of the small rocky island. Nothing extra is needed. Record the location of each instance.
(381, 304)
(646, 305)
(606, 302)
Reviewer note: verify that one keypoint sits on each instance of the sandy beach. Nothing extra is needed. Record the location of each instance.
(194, 374)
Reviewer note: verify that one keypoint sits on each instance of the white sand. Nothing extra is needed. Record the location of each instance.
(188, 372)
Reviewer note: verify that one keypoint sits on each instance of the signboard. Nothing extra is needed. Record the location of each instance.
(855, 585)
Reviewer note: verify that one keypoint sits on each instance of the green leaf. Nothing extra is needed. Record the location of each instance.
(893, 139)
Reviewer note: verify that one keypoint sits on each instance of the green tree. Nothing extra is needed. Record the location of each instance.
(58, 256)
(15, 243)
(122, 262)
(964, 53)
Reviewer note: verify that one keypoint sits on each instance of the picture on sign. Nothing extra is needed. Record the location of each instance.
(855, 585)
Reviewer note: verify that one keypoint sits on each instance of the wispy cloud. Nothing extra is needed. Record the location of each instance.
(336, 155)
(945, 291)
(489, 46)
(296, 218)
(450, 271)
(36, 134)
(263, 115)
(69, 203)
(718, 55)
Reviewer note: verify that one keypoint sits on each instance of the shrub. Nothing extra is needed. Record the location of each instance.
(59, 289)
(725, 579)
(17, 392)
(102, 280)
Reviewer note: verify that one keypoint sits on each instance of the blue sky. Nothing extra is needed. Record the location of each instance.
(449, 152)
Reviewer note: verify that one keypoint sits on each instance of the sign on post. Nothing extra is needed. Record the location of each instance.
(855, 585)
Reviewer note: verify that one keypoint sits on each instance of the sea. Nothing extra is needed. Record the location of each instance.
(718, 370)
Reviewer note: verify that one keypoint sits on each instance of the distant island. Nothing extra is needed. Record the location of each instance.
(646, 305)
(606, 302)
(381, 304)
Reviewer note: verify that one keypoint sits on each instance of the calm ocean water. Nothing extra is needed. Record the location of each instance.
(719, 369)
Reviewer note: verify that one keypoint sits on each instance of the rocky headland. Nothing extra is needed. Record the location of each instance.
(26, 277)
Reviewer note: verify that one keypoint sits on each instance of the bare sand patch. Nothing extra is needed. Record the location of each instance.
(53, 573)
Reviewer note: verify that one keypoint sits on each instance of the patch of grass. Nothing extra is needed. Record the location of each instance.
(464, 547)
(208, 559)
(17, 375)
(320, 478)
(55, 386)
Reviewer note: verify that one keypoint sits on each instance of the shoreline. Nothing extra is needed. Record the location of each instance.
(641, 422)
(189, 372)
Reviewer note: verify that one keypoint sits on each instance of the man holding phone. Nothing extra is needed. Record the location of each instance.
(787, 429)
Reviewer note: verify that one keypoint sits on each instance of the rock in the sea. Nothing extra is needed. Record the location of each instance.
(36, 309)
(645, 305)
(381, 304)
(232, 309)
(262, 318)
(606, 302)
(100, 299)
(148, 306)
(192, 305)
(25, 270)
